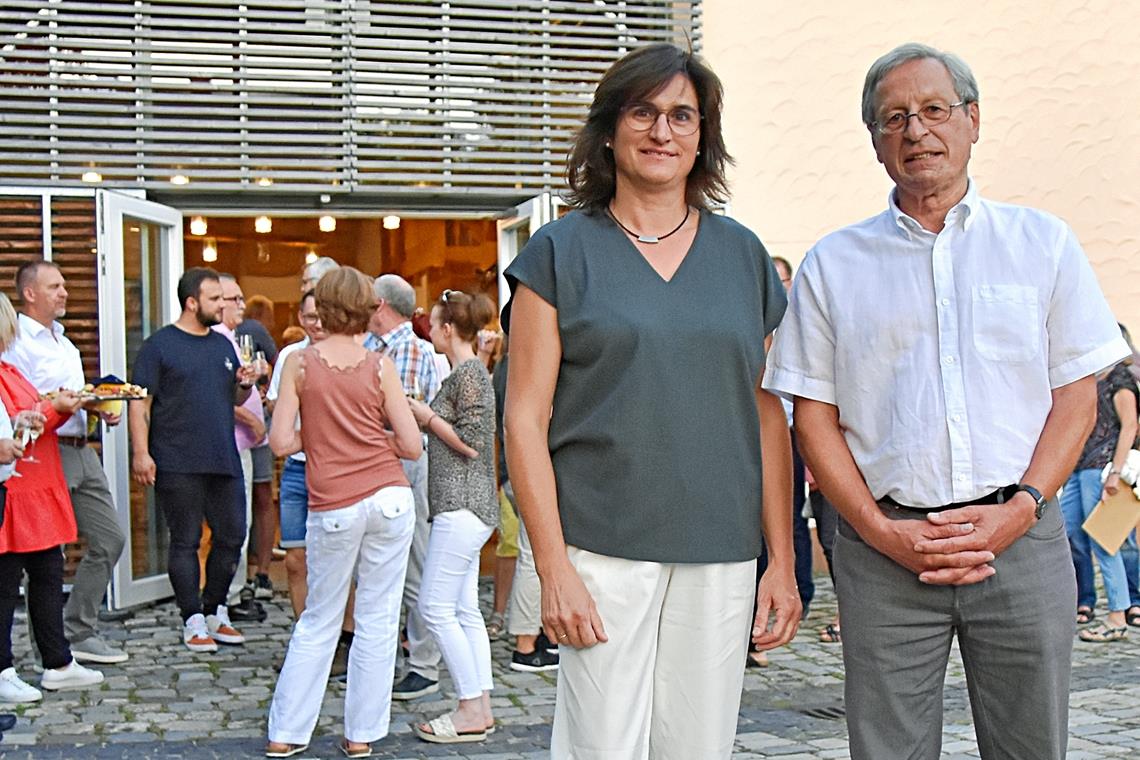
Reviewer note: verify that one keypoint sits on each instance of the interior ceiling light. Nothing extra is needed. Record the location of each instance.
(327, 224)
(265, 182)
(209, 250)
(197, 225)
(310, 257)
(391, 222)
(92, 176)
(180, 179)
(263, 224)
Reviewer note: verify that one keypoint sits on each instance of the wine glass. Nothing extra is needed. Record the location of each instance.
(245, 349)
(27, 429)
(261, 363)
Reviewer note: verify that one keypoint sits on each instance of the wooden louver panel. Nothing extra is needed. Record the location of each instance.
(311, 95)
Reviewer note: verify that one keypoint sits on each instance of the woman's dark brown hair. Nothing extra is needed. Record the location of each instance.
(636, 77)
(345, 301)
(466, 313)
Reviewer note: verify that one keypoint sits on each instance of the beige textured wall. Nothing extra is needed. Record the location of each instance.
(1060, 114)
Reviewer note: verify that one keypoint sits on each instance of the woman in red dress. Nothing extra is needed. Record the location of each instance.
(37, 519)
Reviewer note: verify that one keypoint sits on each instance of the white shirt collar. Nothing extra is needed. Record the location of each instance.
(965, 208)
(33, 328)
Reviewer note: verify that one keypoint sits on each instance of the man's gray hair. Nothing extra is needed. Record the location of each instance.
(320, 267)
(397, 292)
(964, 83)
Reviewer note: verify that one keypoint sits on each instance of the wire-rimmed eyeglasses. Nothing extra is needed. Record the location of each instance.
(641, 117)
(930, 115)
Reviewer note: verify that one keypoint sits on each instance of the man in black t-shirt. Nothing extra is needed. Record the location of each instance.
(182, 441)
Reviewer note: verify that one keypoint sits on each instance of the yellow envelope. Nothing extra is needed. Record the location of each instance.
(1112, 520)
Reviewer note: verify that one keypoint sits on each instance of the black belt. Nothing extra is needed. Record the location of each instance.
(999, 496)
(75, 441)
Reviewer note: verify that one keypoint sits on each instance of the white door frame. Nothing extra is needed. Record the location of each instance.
(531, 214)
(111, 210)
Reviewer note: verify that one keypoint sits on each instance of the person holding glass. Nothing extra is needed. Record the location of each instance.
(637, 432)
(361, 516)
(37, 518)
(464, 508)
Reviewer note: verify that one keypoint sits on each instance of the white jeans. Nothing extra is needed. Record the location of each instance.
(449, 599)
(371, 536)
(667, 683)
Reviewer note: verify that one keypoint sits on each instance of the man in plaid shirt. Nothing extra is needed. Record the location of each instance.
(390, 332)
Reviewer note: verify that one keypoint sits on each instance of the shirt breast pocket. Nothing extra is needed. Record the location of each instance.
(1006, 322)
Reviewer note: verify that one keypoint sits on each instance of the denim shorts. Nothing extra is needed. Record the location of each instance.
(294, 504)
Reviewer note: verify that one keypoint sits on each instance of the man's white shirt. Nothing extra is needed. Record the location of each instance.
(50, 361)
(941, 350)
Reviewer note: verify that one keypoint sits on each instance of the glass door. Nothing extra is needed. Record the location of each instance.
(515, 230)
(140, 261)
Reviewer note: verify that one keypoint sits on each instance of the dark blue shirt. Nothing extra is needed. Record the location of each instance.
(190, 379)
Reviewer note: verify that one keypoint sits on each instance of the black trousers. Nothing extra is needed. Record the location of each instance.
(187, 499)
(45, 603)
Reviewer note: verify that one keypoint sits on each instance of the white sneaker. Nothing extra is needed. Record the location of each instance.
(13, 688)
(196, 636)
(74, 676)
(221, 629)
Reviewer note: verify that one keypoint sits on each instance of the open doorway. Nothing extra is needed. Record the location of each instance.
(430, 253)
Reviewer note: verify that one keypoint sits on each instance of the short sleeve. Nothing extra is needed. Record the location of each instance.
(775, 299)
(1083, 335)
(802, 360)
(534, 267)
(147, 367)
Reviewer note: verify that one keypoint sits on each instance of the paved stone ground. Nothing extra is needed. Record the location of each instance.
(168, 703)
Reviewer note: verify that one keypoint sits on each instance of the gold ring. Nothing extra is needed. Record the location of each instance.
(563, 636)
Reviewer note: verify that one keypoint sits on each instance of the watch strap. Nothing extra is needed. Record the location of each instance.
(1037, 497)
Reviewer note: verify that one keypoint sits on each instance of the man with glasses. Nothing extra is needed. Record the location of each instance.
(294, 494)
(249, 431)
(942, 358)
(390, 332)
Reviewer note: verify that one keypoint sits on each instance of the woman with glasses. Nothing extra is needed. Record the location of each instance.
(635, 425)
(464, 509)
(361, 517)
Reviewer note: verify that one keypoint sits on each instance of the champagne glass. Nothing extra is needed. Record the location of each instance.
(26, 430)
(245, 349)
(261, 363)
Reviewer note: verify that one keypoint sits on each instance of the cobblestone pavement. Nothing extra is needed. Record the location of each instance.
(167, 702)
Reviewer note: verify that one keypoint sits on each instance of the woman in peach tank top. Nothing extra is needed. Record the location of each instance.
(361, 515)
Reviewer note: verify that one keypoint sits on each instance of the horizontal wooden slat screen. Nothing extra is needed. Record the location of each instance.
(312, 95)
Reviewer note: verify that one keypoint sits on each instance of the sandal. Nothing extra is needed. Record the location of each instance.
(495, 625)
(365, 751)
(1085, 615)
(1133, 616)
(441, 730)
(1103, 633)
(758, 660)
(830, 634)
(287, 750)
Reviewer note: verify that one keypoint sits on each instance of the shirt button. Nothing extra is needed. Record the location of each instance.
(957, 418)
(945, 301)
(948, 359)
(961, 478)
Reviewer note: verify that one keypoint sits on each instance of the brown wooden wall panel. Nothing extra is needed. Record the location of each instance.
(21, 238)
(74, 250)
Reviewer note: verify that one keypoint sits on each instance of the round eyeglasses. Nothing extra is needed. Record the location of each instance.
(641, 117)
(930, 115)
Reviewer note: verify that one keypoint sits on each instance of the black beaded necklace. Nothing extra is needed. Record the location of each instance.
(649, 238)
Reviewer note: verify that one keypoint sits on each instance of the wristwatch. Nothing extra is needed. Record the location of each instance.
(1037, 497)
